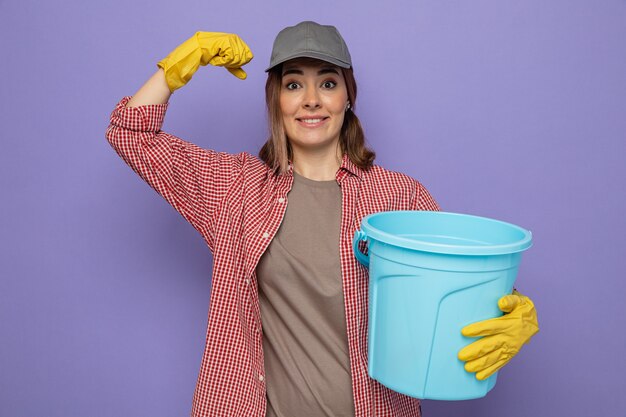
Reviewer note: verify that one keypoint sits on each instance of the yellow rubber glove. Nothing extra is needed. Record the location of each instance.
(220, 49)
(502, 337)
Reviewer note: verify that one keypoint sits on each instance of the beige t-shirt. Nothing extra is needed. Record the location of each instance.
(305, 344)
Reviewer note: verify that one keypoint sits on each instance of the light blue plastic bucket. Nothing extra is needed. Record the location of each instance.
(431, 274)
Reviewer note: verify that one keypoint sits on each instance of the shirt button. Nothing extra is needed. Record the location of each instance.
(261, 378)
(266, 235)
(281, 200)
(247, 281)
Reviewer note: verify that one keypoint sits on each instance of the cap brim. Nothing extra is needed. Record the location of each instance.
(311, 54)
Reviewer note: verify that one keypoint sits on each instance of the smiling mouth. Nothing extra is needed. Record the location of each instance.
(312, 121)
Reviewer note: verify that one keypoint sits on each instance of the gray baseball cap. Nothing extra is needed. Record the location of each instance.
(311, 40)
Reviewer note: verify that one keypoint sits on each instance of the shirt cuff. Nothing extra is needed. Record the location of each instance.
(146, 118)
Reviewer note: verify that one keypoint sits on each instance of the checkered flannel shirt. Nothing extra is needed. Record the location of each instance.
(237, 204)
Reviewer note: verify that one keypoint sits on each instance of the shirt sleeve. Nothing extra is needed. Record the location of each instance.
(193, 180)
(422, 200)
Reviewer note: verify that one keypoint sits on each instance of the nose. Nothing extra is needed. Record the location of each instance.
(311, 99)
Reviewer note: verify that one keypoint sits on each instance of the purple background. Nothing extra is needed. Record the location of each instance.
(506, 109)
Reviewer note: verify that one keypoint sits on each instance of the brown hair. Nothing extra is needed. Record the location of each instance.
(276, 152)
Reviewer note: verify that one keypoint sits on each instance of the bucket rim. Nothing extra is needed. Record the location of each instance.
(443, 248)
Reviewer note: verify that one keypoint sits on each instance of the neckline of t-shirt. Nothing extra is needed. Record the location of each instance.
(314, 183)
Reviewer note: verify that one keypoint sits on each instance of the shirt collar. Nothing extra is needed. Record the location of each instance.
(348, 165)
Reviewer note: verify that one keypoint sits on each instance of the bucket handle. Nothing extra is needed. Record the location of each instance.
(360, 235)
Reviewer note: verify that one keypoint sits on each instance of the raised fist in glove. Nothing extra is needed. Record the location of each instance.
(502, 337)
(215, 48)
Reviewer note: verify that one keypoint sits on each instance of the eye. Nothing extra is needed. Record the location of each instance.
(329, 84)
(292, 85)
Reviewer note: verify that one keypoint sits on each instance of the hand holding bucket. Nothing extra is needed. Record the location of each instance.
(502, 337)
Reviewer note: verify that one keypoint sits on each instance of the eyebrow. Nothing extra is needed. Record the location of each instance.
(322, 71)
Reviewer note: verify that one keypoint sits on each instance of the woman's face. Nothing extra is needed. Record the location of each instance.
(313, 98)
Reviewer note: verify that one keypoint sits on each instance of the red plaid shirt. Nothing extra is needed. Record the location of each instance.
(237, 205)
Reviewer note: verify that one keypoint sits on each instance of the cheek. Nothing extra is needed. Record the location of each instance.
(287, 105)
(337, 103)
(340, 120)
(337, 108)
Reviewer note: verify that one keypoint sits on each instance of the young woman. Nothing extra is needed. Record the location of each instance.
(287, 331)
